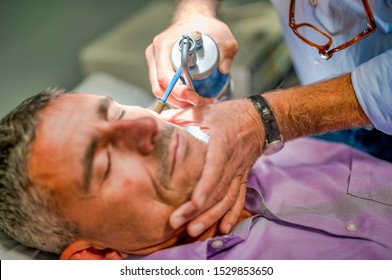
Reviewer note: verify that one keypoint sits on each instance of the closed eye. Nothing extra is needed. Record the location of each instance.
(109, 159)
(117, 116)
(121, 115)
(108, 167)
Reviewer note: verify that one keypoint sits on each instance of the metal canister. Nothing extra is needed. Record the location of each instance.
(198, 55)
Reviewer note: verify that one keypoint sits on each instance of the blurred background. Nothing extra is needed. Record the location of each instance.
(57, 43)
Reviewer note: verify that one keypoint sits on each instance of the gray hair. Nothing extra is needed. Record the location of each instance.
(28, 214)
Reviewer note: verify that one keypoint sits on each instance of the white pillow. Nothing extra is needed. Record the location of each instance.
(122, 92)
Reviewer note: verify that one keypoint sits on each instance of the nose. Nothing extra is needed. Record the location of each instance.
(140, 134)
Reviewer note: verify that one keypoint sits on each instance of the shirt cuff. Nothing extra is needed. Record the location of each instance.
(372, 84)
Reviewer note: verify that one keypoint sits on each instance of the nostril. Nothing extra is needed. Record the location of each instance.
(146, 146)
(146, 130)
(138, 134)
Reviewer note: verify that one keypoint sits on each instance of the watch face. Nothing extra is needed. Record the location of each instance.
(273, 147)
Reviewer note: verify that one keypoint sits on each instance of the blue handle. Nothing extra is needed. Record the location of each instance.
(171, 85)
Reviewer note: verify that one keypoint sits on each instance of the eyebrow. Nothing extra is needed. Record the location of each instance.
(103, 107)
(102, 111)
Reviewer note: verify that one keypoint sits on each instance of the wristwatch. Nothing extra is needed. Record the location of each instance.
(273, 139)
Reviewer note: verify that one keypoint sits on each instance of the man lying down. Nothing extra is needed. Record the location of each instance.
(87, 178)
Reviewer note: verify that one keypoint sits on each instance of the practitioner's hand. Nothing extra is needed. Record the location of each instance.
(230, 207)
(158, 56)
(236, 141)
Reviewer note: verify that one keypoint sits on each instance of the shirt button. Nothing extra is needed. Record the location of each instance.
(313, 2)
(351, 227)
(216, 244)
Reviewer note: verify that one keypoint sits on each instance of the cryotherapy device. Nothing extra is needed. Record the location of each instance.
(195, 58)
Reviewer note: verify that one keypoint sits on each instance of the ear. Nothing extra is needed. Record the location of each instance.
(83, 250)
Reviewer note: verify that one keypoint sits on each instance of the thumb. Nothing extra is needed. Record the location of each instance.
(225, 65)
(227, 52)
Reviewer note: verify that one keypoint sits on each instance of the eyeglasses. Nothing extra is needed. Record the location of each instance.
(324, 49)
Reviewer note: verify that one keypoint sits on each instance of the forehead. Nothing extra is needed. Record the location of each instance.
(66, 116)
(68, 104)
(62, 133)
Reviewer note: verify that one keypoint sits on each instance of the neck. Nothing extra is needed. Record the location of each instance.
(214, 230)
(181, 237)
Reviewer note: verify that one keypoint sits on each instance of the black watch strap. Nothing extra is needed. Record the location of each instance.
(271, 128)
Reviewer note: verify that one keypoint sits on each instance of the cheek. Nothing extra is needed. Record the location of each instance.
(135, 204)
(136, 222)
(128, 173)
(131, 166)
(193, 164)
(88, 213)
(152, 225)
(129, 192)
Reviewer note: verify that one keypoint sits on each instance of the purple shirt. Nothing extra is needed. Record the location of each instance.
(313, 200)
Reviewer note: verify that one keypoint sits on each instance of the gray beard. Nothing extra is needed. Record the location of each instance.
(162, 154)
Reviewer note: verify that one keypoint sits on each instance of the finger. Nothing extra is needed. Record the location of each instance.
(182, 117)
(178, 117)
(213, 174)
(160, 80)
(183, 95)
(161, 73)
(180, 96)
(225, 65)
(182, 215)
(227, 53)
(152, 72)
(162, 50)
(165, 71)
(232, 217)
(215, 213)
(188, 211)
(173, 103)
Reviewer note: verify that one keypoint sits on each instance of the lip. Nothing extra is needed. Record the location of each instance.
(174, 149)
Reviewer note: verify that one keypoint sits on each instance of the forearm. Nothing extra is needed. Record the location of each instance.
(189, 8)
(318, 108)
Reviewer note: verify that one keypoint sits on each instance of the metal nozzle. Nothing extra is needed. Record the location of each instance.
(198, 38)
(185, 46)
(158, 106)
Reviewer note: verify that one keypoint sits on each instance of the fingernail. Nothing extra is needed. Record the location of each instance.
(196, 230)
(192, 100)
(224, 67)
(177, 222)
(202, 200)
(227, 228)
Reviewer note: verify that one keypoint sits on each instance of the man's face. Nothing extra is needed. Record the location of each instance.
(117, 171)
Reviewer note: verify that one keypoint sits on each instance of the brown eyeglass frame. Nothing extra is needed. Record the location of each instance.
(324, 50)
